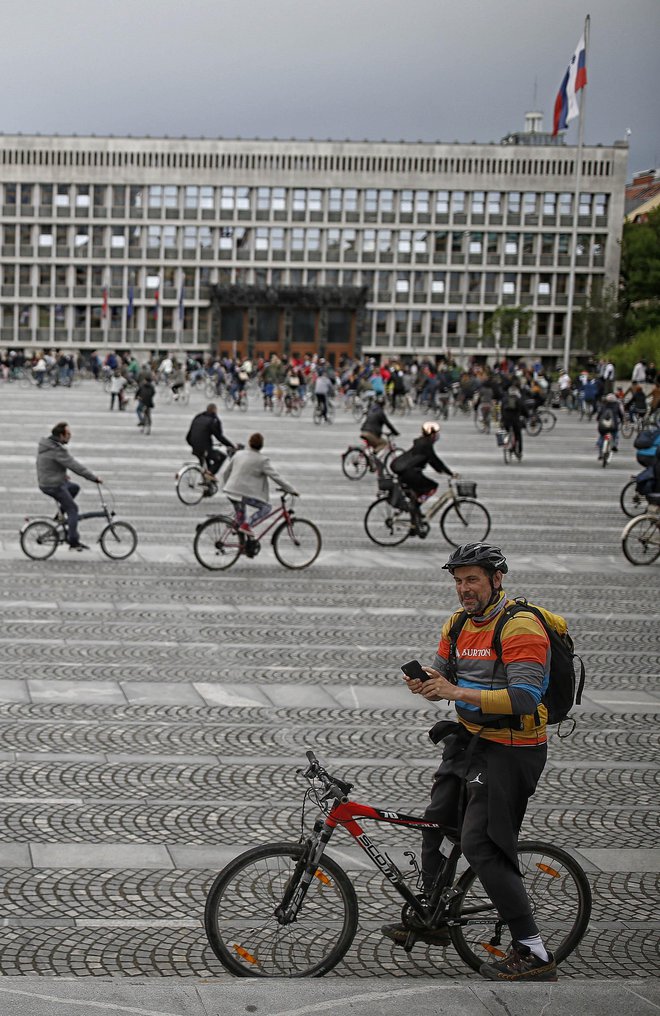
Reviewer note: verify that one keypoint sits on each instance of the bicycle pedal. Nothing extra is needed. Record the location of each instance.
(408, 945)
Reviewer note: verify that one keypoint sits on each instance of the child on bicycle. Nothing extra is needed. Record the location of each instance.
(246, 483)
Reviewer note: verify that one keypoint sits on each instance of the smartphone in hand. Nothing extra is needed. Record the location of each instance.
(414, 669)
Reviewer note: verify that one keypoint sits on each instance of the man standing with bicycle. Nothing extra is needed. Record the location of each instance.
(493, 756)
(53, 461)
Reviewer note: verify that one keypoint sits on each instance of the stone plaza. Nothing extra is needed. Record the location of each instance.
(154, 714)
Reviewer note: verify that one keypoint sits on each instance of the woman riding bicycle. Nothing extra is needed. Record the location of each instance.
(246, 483)
(409, 466)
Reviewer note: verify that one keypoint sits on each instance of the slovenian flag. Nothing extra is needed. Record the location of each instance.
(575, 78)
(129, 309)
(181, 304)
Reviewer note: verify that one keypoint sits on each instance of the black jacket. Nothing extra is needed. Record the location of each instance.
(376, 420)
(203, 429)
(421, 454)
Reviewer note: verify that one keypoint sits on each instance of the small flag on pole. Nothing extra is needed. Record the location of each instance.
(575, 78)
(181, 305)
(156, 298)
(104, 306)
(129, 309)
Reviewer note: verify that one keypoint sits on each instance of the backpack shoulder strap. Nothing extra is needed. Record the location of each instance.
(509, 612)
(453, 634)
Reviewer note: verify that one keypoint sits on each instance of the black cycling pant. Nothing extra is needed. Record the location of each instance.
(511, 421)
(65, 495)
(501, 817)
(416, 481)
(210, 458)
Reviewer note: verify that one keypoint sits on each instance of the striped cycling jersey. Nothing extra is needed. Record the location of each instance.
(511, 687)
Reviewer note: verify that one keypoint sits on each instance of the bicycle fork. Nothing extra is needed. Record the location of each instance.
(304, 872)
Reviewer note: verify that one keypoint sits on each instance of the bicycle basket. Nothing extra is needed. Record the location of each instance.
(466, 488)
(502, 438)
(398, 499)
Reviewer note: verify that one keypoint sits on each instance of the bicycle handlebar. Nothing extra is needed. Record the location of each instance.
(333, 787)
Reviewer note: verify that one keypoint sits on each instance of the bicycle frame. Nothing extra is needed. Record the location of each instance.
(281, 513)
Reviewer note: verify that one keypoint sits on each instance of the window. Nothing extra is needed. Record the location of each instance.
(152, 281)
(118, 238)
(46, 237)
(299, 200)
(82, 196)
(584, 206)
(565, 204)
(206, 197)
(420, 242)
(153, 236)
(261, 241)
(368, 241)
(529, 203)
(440, 242)
(243, 199)
(371, 201)
(404, 241)
(528, 244)
(544, 285)
(170, 197)
(169, 237)
(475, 243)
(406, 202)
(81, 238)
(493, 243)
(600, 204)
(333, 238)
(442, 202)
(458, 201)
(62, 196)
(314, 240)
(334, 200)
(190, 238)
(386, 201)
(277, 239)
(438, 282)
(421, 202)
(314, 201)
(298, 239)
(549, 204)
(278, 199)
(384, 240)
(547, 244)
(508, 284)
(227, 199)
(564, 244)
(155, 196)
(205, 238)
(513, 203)
(191, 197)
(263, 199)
(350, 200)
(494, 203)
(478, 203)
(348, 239)
(402, 282)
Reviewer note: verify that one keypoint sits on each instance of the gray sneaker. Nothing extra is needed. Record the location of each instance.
(520, 964)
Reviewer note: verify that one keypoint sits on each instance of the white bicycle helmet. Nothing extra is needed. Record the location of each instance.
(430, 428)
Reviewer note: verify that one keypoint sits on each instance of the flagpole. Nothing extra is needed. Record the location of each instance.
(576, 201)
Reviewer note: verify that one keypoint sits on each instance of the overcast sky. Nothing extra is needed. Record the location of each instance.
(446, 70)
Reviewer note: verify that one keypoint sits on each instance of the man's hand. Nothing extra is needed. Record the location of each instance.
(98, 480)
(435, 688)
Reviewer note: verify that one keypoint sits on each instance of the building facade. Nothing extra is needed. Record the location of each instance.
(393, 249)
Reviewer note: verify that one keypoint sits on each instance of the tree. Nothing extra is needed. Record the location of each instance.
(639, 293)
(596, 325)
(504, 323)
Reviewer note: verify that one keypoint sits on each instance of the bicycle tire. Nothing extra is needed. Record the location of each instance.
(146, 425)
(627, 428)
(385, 525)
(534, 426)
(482, 425)
(230, 401)
(190, 485)
(118, 540)
(217, 544)
(559, 893)
(39, 539)
(390, 456)
(632, 503)
(607, 453)
(640, 540)
(243, 404)
(244, 933)
(354, 463)
(297, 543)
(465, 520)
(548, 419)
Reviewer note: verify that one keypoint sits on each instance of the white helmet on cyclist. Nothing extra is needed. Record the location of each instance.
(431, 429)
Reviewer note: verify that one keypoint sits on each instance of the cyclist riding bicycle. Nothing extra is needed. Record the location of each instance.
(375, 420)
(53, 461)
(513, 412)
(204, 427)
(609, 420)
(246, 483)
(409, 466)
(493, 756)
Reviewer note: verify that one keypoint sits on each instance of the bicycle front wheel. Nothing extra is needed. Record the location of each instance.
(244, 932)
(296, 543)
(217, 543)
(560, 898)
(627, 428)
(632, 503)
(385, 525)
(354, 463)
(641, 540)
(547, 418)
(118, 540)
(190, 486)
(39, 539)
(465, 521)
(534, 426)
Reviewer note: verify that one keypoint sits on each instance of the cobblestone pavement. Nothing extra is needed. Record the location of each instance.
(153, 714)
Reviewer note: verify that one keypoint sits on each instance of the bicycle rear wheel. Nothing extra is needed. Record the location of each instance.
(534, 426)
(217, 543)
(627, 428)
(385, 525)
(240, 917)
(641, 540)
(190, 485)
(39, 539)
(547, 418)
(354, 463)
(465, 521)
(118, 540)
(559, 894)
(297, 543)
(632, 503)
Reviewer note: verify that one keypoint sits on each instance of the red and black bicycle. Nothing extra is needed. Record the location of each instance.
(288, 910)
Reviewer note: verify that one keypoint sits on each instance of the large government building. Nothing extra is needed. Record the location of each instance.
(254, 247)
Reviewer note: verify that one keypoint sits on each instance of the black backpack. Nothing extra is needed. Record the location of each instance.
(564, 688)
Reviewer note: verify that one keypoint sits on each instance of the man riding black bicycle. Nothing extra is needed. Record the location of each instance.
(376, 419)
(204, 427)
(409, 468)
(493, 756)
(514, 412)
(53, 461)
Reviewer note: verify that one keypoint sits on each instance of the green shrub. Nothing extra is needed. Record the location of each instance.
(645, 346)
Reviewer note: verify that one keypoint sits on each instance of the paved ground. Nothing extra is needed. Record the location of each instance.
(153, 714)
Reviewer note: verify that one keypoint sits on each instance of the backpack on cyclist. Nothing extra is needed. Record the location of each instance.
(606, 422)
(564, 687)
(511, 402)
(647, 444)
